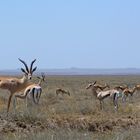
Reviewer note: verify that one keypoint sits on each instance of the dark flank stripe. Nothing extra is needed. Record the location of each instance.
(37, 95)
(114, 97)
(33, 92)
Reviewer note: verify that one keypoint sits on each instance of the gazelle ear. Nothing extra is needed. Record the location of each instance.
(34, 69)
(23, 71)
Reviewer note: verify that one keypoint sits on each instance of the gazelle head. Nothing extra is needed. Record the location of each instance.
(138, 87)
(28, 71)
(91, 85)
(42, 77)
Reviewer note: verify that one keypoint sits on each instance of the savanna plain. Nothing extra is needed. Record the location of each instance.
(77, 116)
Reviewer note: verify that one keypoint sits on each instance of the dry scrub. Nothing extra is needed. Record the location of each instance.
(79, 111)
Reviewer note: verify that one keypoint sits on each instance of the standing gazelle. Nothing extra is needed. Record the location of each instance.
(127, 92)
(14, 85)
(103, 94)
(32, 92)
(94, 86)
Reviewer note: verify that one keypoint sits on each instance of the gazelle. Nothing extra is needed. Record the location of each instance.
(14, 85)
(127, 92)
(62, 91)
(32, 92)
(94, 86)
(102, 94)
(109, 93)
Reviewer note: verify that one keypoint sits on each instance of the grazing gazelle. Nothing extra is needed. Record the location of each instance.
(14, 85)
(32, 92)
(62, 91)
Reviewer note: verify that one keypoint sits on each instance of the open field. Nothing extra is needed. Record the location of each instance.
(78, 112)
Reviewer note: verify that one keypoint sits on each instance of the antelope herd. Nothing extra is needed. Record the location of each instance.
(32, 92)
(116, 93)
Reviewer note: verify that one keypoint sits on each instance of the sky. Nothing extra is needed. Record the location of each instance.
(70, 33)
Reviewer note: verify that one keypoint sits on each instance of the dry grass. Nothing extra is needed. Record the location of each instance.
(78, 111)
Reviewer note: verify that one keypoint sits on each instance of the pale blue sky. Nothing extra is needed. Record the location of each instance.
(70, 33)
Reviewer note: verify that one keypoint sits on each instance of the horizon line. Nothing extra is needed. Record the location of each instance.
(74, 68)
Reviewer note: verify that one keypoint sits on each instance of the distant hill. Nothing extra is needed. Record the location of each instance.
(78, 71)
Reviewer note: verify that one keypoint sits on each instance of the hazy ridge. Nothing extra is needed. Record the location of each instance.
(79, 71)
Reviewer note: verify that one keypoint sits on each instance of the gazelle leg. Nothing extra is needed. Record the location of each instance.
(33, 98)
(14, 103)
(9, 101)
(34, 94)
(38, 97)
(115, 101)
(21, 96)
(131, 98)
(100, 104)
(103, 104)
(124, 98)
(26, 102)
